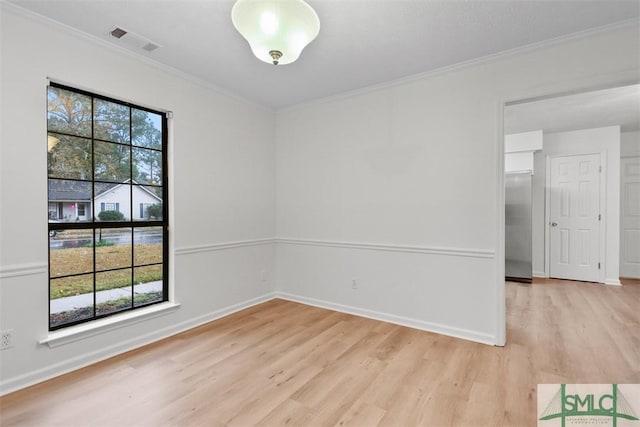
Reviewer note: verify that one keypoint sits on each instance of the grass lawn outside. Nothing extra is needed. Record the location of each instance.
(80, 260)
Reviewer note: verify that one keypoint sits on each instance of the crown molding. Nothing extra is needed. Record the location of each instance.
(344, 95)
(466, 64)
(131, 54)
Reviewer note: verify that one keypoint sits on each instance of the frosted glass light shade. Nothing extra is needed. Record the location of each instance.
(276, 27)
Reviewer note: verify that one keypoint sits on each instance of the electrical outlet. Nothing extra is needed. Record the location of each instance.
(264, 276)
(354, 284)
(6, 340)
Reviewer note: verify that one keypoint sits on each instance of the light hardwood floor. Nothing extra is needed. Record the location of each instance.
(282, 363)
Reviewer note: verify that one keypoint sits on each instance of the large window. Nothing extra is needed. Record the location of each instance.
(107, 210)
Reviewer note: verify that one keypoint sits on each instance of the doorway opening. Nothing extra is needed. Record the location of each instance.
(582, 151)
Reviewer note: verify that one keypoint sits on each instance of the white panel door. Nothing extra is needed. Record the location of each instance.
(630, 217)
(574, 233)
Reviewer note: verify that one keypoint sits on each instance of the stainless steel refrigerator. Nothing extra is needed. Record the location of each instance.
(518, 246)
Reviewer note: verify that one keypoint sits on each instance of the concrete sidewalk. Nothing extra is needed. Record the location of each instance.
(59, 305)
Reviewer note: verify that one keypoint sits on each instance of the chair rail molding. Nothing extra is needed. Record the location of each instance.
(26, 269)
(464, 252)
(185, 250)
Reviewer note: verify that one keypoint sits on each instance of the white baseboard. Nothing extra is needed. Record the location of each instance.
(612, 282)
(43, 374)
(48, 372)
(391, 318)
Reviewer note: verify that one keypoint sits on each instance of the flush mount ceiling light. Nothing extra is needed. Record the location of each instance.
(277, 30)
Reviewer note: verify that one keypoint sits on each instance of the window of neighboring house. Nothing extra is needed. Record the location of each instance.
(109, 207)
(109, 259)
(144, 210)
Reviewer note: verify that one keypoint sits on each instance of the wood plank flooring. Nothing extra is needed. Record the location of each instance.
(282, 363)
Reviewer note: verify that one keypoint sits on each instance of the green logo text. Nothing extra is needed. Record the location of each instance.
(565, 405)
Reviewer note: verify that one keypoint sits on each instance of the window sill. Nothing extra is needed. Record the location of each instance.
(86, 330)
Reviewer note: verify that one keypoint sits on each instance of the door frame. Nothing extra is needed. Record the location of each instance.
(552, 90)
(629, 156)
(602, 229)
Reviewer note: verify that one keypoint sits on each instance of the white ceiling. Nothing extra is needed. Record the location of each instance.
(361, 42)
(608, 107)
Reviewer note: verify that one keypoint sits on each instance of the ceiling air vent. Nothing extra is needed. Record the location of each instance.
(118, 32)
(150, 47)
(132, 40)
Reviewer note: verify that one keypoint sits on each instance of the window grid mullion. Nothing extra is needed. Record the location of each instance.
(93, 224)
(93, 201)
(131, 209)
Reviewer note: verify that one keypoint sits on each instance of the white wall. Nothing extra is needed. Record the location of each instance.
(538, 183)
(397, 187)
(588, 141)
(222, 175)
(519, 149)
(518, 162)
(400, 187)
(523, 142)
(629, 144)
